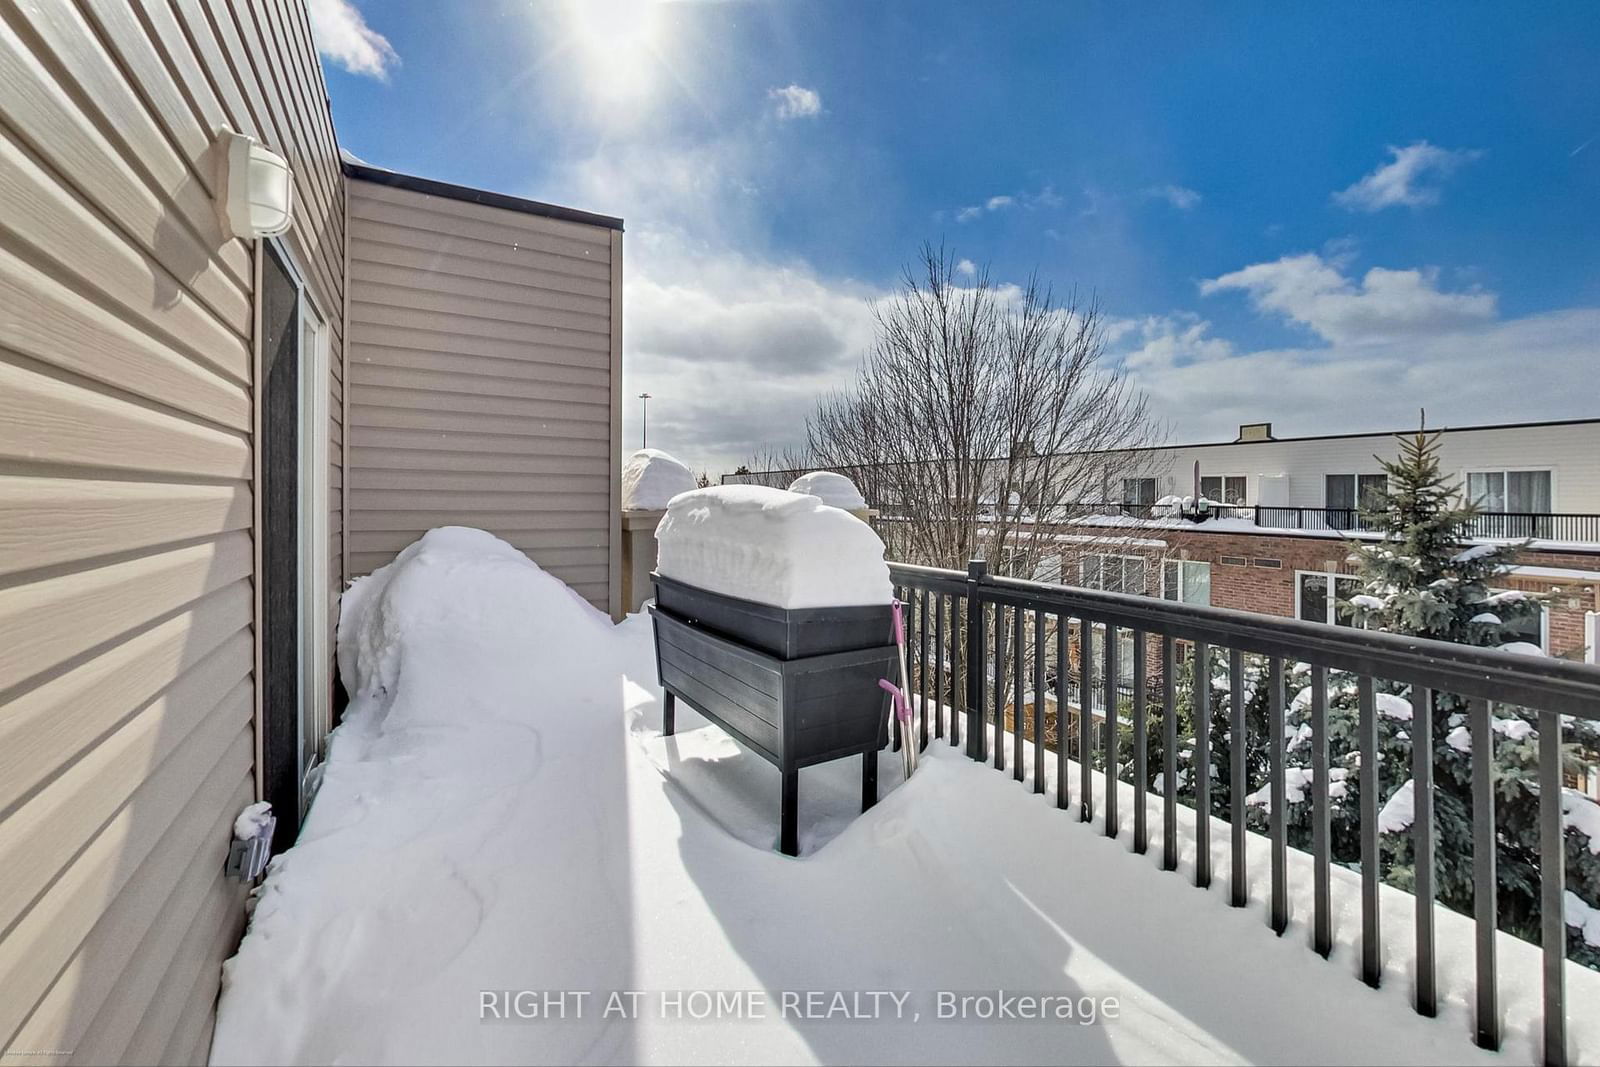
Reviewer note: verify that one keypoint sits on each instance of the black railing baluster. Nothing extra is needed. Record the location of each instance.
(1488, 524)
(1478, 676)
(1367, 743)
(922, 668)
(1063, 725)
(958, 683)
(999, 687)
(1552, 882)
(1019, 653)
(1202, 764)
(1278, 913)
(1485, 903)
(940, 708)
(1238, 784)
(1111, 696)
(977, 735)
(895, 729)
(1141, 743)
(1422, 844)
(1038, 701)
(1321, 828)
(1085, 720)
(1169, 737)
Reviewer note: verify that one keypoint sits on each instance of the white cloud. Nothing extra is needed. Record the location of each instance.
(967, 267)
(795, 102)
(1046, 197)
(1180, 197)
(1384, 305)
(736, 350)
(344, 38)
(735, 343)
(1477, 373)
(1405, 179)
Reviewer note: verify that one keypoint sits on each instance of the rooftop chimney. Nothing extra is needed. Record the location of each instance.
(1254, 431)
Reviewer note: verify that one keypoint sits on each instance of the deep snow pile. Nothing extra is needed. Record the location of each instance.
(500, 812)
(831, 488)
(772, 546)
(651, 478)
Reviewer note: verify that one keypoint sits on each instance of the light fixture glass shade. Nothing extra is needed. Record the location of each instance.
(255, 187)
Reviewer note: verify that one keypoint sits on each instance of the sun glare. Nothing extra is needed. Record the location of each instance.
(618, 43)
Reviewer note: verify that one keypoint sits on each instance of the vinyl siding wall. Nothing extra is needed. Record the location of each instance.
(483, 355)
(127, 425)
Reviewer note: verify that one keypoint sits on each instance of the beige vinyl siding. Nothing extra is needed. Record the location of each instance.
(483, 380)
(127, 429)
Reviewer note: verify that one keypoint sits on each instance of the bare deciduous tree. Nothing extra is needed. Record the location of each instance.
(982, 416)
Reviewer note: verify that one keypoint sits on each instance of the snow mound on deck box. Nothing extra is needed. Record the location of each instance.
(772, 546)
(444, 600)
(651, 478)
(831, 488)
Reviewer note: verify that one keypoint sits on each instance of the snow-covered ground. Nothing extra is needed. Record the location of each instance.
(499, 812)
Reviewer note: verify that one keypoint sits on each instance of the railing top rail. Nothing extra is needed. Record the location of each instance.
(1503, 677)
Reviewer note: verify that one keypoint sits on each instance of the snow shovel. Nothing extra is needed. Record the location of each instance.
(902, 703)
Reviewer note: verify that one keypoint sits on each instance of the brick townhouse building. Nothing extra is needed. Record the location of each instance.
(1279, 539)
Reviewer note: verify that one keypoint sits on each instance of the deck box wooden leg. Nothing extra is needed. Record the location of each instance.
(669, 715)
(869, 779)
(789, 819)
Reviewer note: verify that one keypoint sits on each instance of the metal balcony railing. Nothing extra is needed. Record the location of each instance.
(1493, 525)
(959, 619)
(1515, 526)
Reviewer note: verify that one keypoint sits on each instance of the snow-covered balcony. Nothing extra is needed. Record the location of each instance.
(507, 862)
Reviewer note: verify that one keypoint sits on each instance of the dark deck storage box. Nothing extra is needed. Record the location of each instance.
(787, 633)
(791, 712)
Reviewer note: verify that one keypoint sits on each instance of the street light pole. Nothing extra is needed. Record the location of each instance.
(644, 435)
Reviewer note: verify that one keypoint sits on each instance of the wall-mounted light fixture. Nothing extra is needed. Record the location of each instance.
(255, 189)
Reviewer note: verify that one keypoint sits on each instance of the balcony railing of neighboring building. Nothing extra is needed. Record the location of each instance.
(1543, 526)
(1493, 525)
(972, 618)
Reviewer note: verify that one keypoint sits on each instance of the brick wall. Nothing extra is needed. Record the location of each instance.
(1256, 572)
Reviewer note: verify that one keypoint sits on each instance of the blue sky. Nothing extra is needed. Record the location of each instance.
(1325, 216)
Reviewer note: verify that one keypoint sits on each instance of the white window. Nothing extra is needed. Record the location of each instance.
(1318, 595)
(1224, 488)
(1525, 492)
(1534, 628)
(1187, 581)
(1345, 496)
(1138, 491)
(1114, 574)
(1048, 569)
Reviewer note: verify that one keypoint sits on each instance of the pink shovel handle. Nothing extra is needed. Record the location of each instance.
(902, 710)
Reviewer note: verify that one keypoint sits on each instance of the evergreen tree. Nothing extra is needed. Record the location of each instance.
(1423, 579)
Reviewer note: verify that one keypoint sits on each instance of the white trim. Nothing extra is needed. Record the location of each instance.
(1356, 477)
(1544, 621)
(314, 577)
(1143, 561)
(1333, 594)
(1245, 478)
(1569, 573)
(313, 654)
(1155, 485)
(1548, 468)
(1182, 563)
